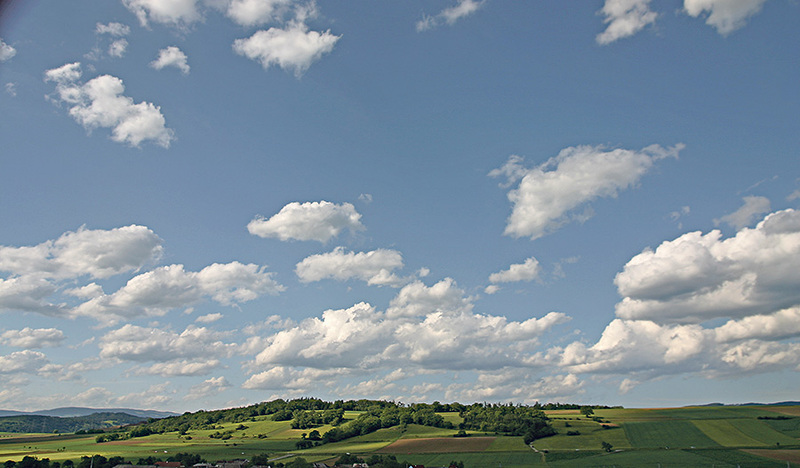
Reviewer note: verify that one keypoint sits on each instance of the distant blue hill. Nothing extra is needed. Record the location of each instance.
(75, 411)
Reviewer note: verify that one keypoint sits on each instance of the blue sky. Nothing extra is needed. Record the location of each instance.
(210, 203)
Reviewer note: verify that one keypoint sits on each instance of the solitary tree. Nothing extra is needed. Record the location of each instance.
(606, 446)
(587, 411)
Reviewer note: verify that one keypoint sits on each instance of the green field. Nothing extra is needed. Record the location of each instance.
(676, 434)
(695, 436)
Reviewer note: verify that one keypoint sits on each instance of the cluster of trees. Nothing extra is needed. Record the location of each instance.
(382, 416)
(383, 461)
(278, 410)
(109, 436)
(99, 461)
(302, 419)
(34, 462)
(527, 421)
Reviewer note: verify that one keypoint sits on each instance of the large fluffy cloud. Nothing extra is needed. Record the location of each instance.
(418, 300)
(100, 103)
(374, 267)
(194, 351)
(698, 277)
(37, 270)
(625, 18)
(30, 338)
(155, 292)
(29, 294)
(95, 253)
(644, 349)
(672, 295)
(40, 273)
(319, 221)
(548, 195)
(725, 16)
(427, 327)
(291, 48)
(26, 361)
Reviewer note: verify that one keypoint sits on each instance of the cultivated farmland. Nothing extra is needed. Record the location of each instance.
(746, 436)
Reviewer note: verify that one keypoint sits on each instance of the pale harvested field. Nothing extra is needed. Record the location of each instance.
(788, 410)
(439, 445)
(792, 456)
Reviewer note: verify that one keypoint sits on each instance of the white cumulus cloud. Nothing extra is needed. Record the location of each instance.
(155, 292)
(645, 350)
(428, 328)
(6, 51)
(96, 253)
(117, 48)
(526, 271)
(319, 221)
(374, 267)
(625, 18)
(30, 338)
(29, 294)
(194, 351)
(548, 195)
(779, 325)
(256, 12)
(171, 57)
(27, 362)
(699, 277)
(725, 16)
(100, 103)
(173, 12)
(207, 388)
(292, 48)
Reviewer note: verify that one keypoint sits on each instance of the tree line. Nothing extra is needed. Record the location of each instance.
(99, 461)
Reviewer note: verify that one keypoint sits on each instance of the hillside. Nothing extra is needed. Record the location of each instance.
(48, 424)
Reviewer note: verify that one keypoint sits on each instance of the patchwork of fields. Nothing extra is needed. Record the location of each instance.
(746, 436)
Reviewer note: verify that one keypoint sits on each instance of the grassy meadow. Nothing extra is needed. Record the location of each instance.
(745, 436)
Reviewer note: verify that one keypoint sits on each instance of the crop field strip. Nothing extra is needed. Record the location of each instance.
(788, 427)
(667, 434)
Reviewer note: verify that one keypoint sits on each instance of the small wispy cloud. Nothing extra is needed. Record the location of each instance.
(449, 15)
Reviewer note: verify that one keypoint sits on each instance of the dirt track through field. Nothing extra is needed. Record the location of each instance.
(790, 410)
(783, 455)
(439, 445)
